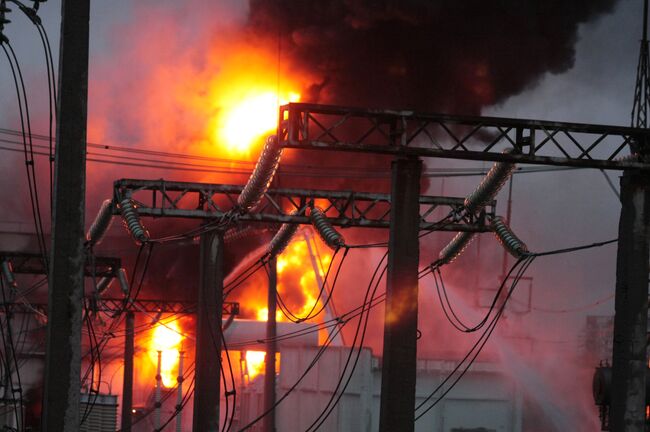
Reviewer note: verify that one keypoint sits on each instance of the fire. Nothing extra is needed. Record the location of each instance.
(263, 314)
(244, 96)
(167, 339)
(255, 363)
(249, 115)
(295, 265)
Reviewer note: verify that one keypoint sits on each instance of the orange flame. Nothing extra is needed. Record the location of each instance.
(249, 115)
(297, 282)
(244, 97)
(255, 363)
(167, 339)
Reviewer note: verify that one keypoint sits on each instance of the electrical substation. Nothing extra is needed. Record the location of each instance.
(299, 216)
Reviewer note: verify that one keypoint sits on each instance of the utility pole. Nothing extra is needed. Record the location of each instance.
(63, 352)
(629, 351)
(127, 384)
(397, 408)
(271, 348)
(631, 319)
(208, 334)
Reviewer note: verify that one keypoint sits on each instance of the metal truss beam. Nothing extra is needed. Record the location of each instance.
(155, 306)
(32, 263)
(324, 127)
(160, 198)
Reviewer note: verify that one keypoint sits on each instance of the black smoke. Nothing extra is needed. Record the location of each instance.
(435, 55)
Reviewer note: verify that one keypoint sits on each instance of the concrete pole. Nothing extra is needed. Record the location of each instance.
(397, 408)
(207, 389)
(271, 348)
(631, 305)
(127, 382)
(63, 351)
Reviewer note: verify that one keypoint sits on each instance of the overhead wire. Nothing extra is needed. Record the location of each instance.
(26, 135)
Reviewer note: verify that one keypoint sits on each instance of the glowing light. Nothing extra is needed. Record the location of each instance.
(263, 314)
(255, 363)
(167, 339)
(246, 118)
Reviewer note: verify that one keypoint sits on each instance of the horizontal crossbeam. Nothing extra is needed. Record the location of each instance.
(115, 305)
(324, 127)
(32, 263)
(160, 198)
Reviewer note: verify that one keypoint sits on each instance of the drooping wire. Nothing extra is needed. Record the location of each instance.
(311, 314)
(476, 348)
(25, 123)
(336, 393)
(32, 15)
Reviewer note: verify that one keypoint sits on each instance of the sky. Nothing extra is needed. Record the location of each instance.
(550, 211)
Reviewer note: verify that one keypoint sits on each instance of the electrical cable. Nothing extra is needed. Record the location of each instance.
(335, 399)
(27, 146)
(285, 170)
(477, 347)
(310, 315)
(31, 14)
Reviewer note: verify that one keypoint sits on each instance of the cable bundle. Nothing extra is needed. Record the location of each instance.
(507, 238)
(263, 173)
(490, 185)
(132, 221)
(101, 223)
(327, 232)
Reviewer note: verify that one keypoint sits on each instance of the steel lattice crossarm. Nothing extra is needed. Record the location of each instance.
(156, 306)
(311, 126)
(160, 198)
(120, 305)
(32, 263)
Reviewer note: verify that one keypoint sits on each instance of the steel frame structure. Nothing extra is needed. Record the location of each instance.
(406, 133)
(32, 263)
(141, 305)
(343, 208)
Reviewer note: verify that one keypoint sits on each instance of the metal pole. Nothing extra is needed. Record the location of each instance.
(157, 404)
(127, 382)
(401, 319)
(63, 352)
(631, 305)
(208, 334)
(179, 397)
(271, 349)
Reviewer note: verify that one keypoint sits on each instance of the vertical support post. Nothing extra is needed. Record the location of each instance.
(158, 401)
(631, 305)
(400, 325)
(271, 348)
(179, 396)
(127, 382)
(63, 352)
(207, 389)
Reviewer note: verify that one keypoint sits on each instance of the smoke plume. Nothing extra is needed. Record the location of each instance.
(445, 56)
